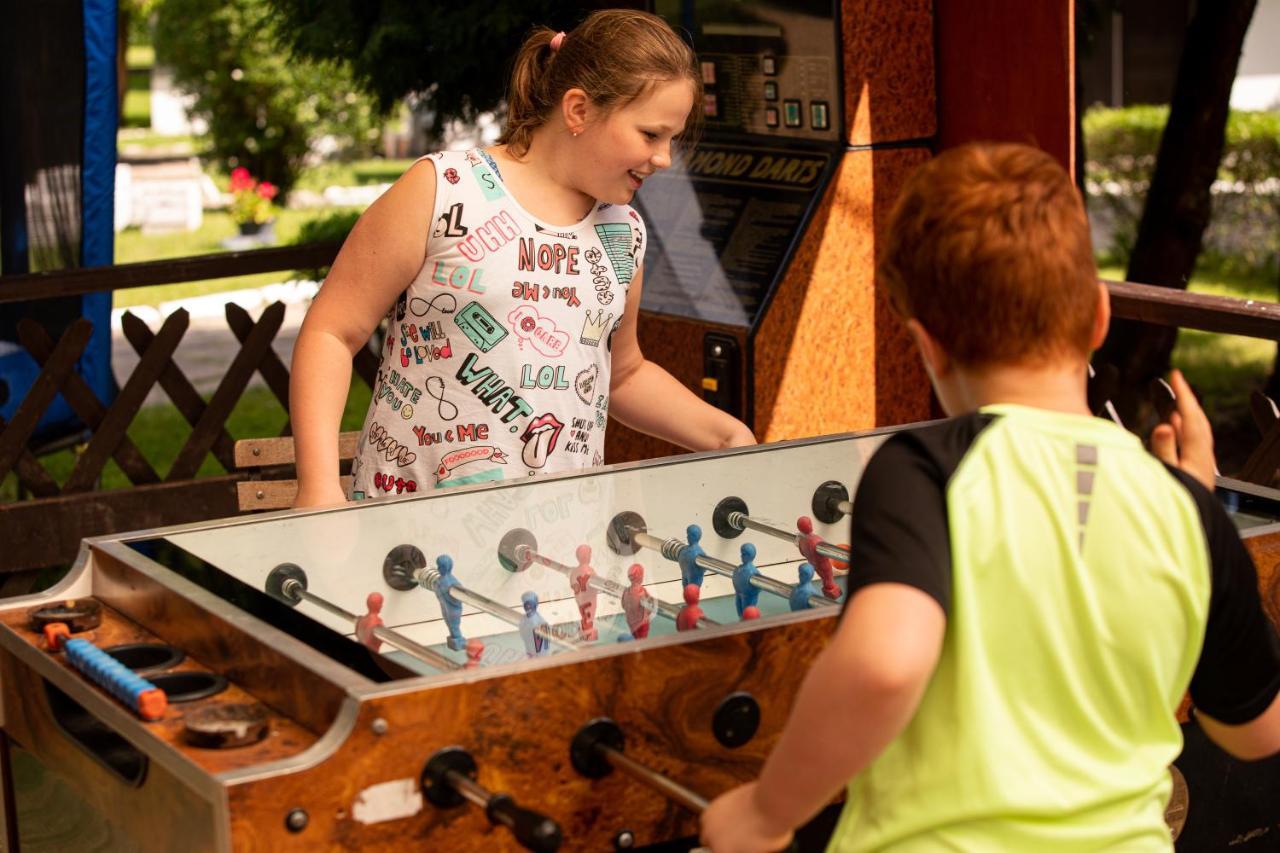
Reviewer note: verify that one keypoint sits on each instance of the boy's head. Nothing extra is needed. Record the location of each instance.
(989, 251)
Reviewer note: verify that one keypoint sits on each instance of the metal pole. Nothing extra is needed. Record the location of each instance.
(608, 587)
(671, 548)
(294, 589)
(428, 578)
(667, 787)
(740, 521)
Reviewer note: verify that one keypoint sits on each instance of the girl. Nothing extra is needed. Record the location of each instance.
(513, 276)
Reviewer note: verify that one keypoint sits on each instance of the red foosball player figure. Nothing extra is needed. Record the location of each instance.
(373, 619)
(687, 618)
(475, 649)
(637, 603)
(584, 594)
(809, 542)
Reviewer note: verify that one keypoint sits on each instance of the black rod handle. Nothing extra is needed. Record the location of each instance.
(534, 831)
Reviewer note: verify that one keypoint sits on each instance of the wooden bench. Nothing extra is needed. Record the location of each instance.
(273, 481)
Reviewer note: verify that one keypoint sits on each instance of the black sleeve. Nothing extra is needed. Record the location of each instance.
(900, 532)
(1238, 675)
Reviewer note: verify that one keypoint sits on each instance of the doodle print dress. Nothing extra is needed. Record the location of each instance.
(496, 361)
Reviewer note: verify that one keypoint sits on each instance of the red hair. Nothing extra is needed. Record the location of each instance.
(989, 249)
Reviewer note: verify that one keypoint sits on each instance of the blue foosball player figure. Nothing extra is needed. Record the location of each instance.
(535, 642)
(690, 571)
(450, 606)
(804, 589)
(744, 594)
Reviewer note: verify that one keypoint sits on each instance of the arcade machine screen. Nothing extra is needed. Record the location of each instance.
(724, 218)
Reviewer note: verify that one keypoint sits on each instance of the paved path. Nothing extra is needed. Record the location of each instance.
(209, 346)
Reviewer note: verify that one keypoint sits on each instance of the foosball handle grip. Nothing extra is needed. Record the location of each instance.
(534, 831)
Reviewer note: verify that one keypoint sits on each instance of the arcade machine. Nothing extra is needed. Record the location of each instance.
(574, 662)
(759, 288)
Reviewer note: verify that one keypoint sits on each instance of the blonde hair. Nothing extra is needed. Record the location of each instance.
(615, 56)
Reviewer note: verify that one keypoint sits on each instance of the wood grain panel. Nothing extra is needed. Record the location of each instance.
(287, 738)
(518, 725)
(889, 92)
(830, 355)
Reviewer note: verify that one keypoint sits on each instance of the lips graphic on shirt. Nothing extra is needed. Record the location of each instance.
(540, 439)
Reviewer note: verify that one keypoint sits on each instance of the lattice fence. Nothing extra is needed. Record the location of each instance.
(46, 529)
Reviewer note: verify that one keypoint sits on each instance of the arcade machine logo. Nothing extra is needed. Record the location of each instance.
(756, 166)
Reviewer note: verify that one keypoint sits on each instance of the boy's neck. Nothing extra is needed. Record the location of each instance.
(1058, 387)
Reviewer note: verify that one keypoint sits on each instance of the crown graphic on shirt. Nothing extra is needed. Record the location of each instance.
(593, 328)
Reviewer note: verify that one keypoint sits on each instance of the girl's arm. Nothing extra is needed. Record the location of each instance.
(650, 400)
(379, 259)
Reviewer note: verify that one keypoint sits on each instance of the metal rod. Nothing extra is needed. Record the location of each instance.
(468, 788)
(671, 548)
(608, 587)
(665, 786)
(845, 507)
(427, 578)
(740, 521)
(291, 588)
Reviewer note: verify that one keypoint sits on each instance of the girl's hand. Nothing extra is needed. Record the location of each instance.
(1186, 442)
(329, 494)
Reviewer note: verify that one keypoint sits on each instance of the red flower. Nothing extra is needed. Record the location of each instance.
(241, 179)
(268, 190)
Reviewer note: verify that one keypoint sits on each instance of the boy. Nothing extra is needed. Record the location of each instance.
(1030, 591)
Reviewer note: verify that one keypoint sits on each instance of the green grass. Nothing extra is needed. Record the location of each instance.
(132, 246)
(353, 173)
(159, 432)
(137, 109)
(140, 56)
(141, 138)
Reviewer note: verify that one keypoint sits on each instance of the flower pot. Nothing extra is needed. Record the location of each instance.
(263, 232)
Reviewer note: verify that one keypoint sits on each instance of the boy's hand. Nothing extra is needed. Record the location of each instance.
(1187, 440)
(734, 823)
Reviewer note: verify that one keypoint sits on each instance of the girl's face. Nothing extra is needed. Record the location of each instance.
(629, 144)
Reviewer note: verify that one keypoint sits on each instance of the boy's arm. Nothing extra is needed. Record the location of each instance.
(866, 685)
(1258, 738)
(1236, 684)
(860, 693)
(650, 400)
(379, 259)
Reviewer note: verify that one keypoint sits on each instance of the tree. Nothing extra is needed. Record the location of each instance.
(456, 55)
(1177, 209)
(265, 109)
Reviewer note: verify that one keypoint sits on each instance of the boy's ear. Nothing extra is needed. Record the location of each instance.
(576, 110)
(1102, 320)
(936, 359)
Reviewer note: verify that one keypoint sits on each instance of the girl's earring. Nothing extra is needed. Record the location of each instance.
(575, 134)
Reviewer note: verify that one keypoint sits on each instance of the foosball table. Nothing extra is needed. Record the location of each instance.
(571, 662)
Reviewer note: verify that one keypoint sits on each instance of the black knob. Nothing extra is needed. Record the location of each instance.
(534, 831)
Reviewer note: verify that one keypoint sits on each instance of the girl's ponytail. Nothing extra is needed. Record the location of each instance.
(615, 56)
(527, 102)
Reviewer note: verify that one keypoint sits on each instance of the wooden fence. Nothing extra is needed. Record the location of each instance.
(46, 529)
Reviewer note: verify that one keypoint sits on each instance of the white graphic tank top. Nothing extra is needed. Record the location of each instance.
(496, 362)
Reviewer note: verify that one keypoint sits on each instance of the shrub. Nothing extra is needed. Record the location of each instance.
(332, 228)
(1121, 146)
